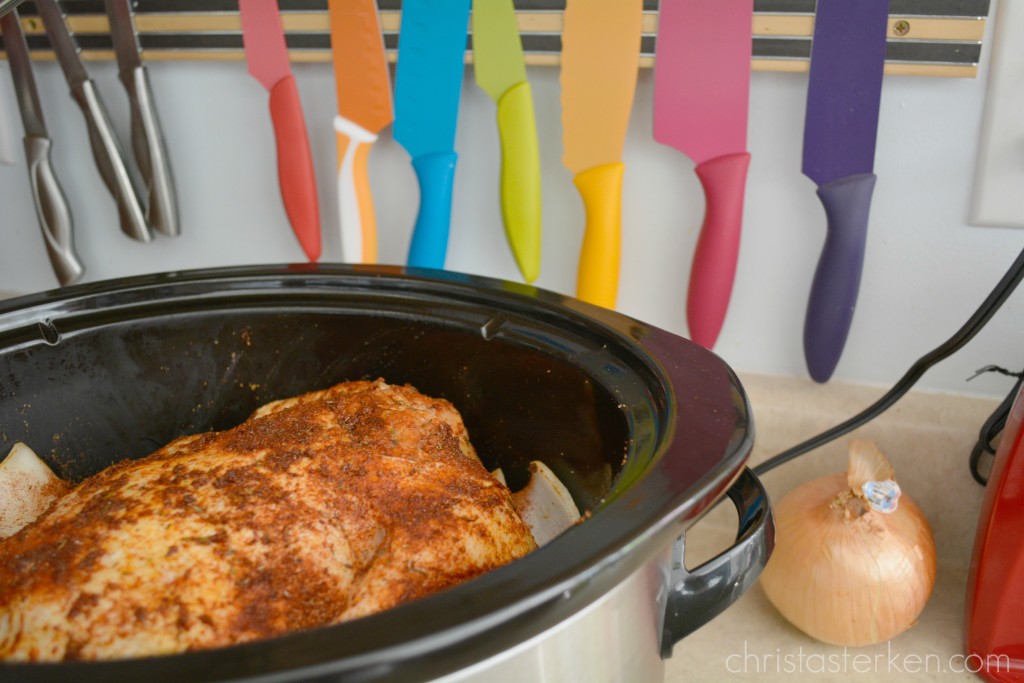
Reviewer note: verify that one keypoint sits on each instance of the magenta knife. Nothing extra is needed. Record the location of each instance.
(840, 128)
(267, 57)
(701, 93)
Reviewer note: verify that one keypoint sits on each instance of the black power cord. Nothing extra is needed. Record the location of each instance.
(1003, 289)
(993, 426)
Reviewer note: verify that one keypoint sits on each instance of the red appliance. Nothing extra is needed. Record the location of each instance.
(994, 624)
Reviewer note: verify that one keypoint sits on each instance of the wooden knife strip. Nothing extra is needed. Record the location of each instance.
(320, 57)
(909, 27)
(918, 45)
(925, 8)
(765, 48)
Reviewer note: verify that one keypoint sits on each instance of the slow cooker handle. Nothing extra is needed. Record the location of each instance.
(697, 596)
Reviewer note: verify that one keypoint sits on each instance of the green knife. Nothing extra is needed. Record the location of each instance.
(500, 71)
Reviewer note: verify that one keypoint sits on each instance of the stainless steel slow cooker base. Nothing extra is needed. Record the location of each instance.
(647, 429)
(616, 639)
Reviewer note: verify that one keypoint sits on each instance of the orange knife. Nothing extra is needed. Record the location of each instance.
(364, 109)
(600, 59)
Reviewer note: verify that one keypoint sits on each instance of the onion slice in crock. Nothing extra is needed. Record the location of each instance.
(27, 488)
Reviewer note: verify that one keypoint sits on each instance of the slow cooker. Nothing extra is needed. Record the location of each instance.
(646, 429)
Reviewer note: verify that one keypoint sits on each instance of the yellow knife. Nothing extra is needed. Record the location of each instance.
(600, 58)
(500, 71)
(364, 109)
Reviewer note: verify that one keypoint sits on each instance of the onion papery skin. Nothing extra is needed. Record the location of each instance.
(847, 578)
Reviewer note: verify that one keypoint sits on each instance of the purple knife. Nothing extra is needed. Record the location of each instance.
(843, 95)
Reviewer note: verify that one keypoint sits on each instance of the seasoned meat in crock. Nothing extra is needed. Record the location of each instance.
(318, 509)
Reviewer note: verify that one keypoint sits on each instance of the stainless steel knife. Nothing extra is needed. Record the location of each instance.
(51, 204)
(147, 135)
(121, 179)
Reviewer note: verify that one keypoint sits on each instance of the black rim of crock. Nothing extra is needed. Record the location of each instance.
(467, 624)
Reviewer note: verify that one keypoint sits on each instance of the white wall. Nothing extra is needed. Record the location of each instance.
(926, 270)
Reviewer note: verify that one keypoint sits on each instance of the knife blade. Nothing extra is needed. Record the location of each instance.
(120, 178)
(146, 133)
(701, 95)
(428, 84)
(499, 69)
(840, 129)
(267, 57)
(364, 109)
(600, 59)
(51, 204)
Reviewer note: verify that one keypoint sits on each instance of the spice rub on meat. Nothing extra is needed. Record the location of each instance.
(318, 509)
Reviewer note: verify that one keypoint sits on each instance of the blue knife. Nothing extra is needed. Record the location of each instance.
(428, 83)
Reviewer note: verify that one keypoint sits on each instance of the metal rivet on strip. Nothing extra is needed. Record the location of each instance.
(49, 333)
(490, 328)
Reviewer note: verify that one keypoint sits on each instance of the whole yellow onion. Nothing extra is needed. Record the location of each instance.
(854, 558)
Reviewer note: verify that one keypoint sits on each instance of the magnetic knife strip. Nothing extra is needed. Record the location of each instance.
(926, 37)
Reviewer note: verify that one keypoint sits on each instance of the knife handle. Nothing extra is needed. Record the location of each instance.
(847, 203)
(714, 260)
(436, 175)
(355, 200)
(151, 153)
(597, 280)
(122, 181)
(52, 209)
(295, 165)
(520, 177)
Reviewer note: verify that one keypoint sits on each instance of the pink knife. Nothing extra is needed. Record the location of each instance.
(701, 90)
(267, 57)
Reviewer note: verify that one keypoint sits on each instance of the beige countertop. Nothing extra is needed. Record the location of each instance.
(928, 437)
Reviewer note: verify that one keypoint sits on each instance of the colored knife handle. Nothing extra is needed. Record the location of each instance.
(122, 182)
(52, 209)
(847, 203)
(295, 165)
(436, 175)
(597, 280)
(355, 201)
(714, 261)
(151, 153)
(520, 177)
